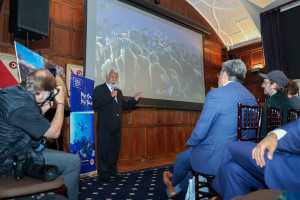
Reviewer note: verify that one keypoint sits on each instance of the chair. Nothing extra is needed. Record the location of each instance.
(29, 186)
(275, 117)
(249, 118)
(293, 114)
(208, 190)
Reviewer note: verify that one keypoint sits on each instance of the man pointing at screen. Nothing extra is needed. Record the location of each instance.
(109, 102)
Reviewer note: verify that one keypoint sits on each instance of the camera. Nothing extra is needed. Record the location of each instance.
(52, 96)
(23, 165)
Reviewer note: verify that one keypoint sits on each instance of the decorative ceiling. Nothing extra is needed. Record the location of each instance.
(237, 22)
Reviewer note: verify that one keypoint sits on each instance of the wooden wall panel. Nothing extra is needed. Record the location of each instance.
(149, 143)
(60, 40)
(63, 14)
(76, 40)
(170, 140)
(147, 133)
(126, 139)
(252, 55)
(160, 141)
(137, 143)
(77, 22)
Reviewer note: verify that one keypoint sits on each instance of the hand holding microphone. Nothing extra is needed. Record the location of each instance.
(114, 92)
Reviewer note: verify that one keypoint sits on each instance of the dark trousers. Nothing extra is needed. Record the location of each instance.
(108, 147)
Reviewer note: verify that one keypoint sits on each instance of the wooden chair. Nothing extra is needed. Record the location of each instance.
(249, 118)
(11, 188)
(275, 117)
(207, 185)
(293, 114)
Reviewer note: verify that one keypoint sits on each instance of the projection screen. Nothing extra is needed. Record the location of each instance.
(154, 54)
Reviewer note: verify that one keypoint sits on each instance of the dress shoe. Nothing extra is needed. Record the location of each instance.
(170, 190)
(105, 177)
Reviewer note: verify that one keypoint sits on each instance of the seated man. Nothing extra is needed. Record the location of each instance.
(292, 89)
(216, 126)
(274, 162)
(23, 125)
(274, 86)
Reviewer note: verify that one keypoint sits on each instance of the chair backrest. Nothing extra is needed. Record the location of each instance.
(249, 118)
(293, 114)
(275, 117)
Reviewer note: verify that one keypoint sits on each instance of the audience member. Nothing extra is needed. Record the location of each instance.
(274, 86)
(109, 102)
(292, 90)
(23, 125)
(216, 126)
(274, 162)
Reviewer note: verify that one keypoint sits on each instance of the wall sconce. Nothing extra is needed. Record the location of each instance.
(257, 67)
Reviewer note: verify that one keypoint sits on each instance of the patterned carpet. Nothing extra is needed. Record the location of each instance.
(145, 184)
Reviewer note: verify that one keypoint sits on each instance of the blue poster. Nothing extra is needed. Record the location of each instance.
(82, 140)
(81, 93)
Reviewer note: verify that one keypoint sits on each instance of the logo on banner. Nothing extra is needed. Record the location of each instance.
(77, 83)
(13, 65)
(86, 99)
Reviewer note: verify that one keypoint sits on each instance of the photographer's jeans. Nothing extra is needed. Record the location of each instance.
(69, 166)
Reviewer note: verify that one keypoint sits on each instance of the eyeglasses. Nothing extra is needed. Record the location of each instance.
(265, 83)
(219, 74)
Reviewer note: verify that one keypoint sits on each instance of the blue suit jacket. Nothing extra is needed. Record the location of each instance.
(217, 125)
(282, 172)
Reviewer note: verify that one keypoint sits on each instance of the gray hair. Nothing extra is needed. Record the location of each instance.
(236, 70)
(115, 69)
(38, 81)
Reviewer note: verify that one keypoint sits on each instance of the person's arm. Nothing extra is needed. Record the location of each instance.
(211, 108)
(57, 122)
(285, 138)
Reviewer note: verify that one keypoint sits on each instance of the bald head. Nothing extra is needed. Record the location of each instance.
(39, 80)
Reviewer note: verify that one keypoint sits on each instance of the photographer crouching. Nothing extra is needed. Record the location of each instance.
(23, 126)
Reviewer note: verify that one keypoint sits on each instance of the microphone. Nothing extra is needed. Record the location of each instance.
(115, 87)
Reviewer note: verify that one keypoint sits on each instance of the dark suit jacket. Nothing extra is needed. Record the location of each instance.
(109, 111)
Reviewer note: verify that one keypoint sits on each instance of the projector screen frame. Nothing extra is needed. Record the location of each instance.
(161, 12)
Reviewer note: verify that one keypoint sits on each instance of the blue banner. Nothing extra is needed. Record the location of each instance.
(82, 90)
(82, 142)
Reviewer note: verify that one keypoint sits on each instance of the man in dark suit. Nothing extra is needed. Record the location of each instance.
(274, 162)
(109, 102)
(216, 126)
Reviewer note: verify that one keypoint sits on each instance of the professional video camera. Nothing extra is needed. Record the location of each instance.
(24, 166)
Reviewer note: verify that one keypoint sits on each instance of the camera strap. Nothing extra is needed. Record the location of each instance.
(42, 145)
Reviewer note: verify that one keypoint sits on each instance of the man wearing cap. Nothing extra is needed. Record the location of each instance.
(274, 86)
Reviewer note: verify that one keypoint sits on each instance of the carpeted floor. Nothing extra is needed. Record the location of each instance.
(144, 184)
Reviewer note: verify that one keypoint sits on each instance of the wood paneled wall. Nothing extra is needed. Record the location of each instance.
(252, 55)
(147, 133)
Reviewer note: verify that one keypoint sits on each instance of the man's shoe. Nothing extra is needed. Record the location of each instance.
(166, 178)
(105, 177)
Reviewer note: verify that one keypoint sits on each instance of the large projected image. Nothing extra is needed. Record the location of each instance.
(153, 55)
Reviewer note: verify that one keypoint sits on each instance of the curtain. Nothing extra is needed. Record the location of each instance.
(273, 42)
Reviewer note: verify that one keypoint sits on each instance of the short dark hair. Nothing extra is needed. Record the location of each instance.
(292, 87)
(39, 80)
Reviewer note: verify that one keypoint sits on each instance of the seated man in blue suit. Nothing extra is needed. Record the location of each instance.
(216, 126)
(274, 162)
